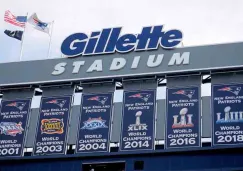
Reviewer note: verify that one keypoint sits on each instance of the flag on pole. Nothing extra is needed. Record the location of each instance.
(15, 20)
(14, 34)
(38, 24)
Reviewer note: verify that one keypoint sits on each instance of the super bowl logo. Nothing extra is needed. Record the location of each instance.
(185, 119)
(229, 116)
(58, 102)
(232, 89)
(94, 123)
(18, 105)
(101, 99)
(11, 128)
(143, 96)
(52, 126)
(138, 126)
(188, 93)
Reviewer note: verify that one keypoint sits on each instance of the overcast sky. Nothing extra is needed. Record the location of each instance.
(201, 21)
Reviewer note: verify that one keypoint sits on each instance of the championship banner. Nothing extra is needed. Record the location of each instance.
(183, 118)
(227, 110)
(52, 125)
(138, 120)
(13, 124)
(94, 129)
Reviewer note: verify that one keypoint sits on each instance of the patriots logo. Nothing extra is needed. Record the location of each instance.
(40, 24)
(188, 93)
(58, 102)
(101, 99)
(143, 96)
(18, 105)
(233, 89)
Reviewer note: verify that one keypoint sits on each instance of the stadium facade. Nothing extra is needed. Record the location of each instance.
(185, 131)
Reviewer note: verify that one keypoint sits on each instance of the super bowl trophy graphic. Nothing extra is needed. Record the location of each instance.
(138, 126)
(138, 114)
(229, 116)
(183, 116)
(226, 111)
(184, 121)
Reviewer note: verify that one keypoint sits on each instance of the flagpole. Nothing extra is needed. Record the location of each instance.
(49, 49)
(182, 44)
(21, 50)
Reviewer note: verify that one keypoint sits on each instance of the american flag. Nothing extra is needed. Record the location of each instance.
(15, 20)
(40, 24)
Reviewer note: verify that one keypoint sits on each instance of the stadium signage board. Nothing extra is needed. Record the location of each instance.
(110, 40)
(133, 64)
(117, 64)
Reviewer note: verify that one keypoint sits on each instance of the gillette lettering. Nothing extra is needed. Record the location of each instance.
(229, 117)
(109, 40)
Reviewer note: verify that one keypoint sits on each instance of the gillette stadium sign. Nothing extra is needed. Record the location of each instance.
(145, 58)
(110, 40)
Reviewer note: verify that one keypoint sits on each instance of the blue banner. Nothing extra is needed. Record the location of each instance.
(52, 125)
(227, 110)
(94, 129)
(183, 118)
(13, 123)
(138, 120)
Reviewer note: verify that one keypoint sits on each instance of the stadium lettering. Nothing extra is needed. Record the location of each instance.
(109, 40)
(119, 63)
